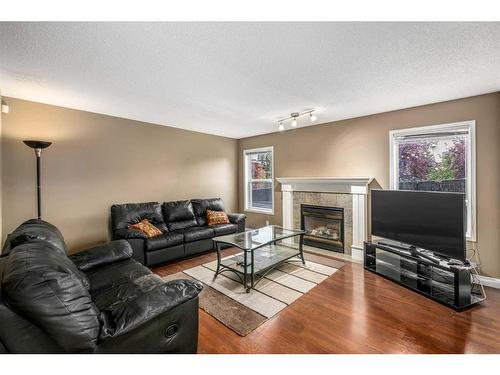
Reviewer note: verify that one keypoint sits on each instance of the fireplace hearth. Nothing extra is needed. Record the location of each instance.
(324, 226)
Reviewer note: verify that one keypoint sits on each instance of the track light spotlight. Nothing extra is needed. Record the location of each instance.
(294, 118)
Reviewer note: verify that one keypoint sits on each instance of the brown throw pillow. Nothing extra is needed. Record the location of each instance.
(216, 217)
(146, 227)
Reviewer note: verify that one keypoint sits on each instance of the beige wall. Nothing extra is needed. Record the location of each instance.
(99, 160)
(360, 147)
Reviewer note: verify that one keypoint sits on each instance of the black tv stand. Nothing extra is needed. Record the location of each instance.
(405, 248)
(413, 250)
(450, 285)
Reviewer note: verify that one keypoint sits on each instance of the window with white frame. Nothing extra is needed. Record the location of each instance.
(259, 180)
(437, 158)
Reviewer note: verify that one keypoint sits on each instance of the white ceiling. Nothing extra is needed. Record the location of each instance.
(236, 79)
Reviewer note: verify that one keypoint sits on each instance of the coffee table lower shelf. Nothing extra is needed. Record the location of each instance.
(258, 263)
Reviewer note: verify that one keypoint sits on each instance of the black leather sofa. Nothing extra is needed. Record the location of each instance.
(183, 225)
(99, 300)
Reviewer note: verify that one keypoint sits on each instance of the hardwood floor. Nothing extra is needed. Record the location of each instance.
(355, 311)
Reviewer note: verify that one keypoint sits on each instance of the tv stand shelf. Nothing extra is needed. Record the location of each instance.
(449, 285)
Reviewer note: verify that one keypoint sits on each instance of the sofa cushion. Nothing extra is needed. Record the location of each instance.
(37, 229)
(223, 229)
(105, 298)
(123, 215)
(114, 274)
(164, 255)
(202, 205)
(179, 215)
(196, 233)
(165, 240)
(44, 287)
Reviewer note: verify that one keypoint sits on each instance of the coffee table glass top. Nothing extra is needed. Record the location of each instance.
(259, 237)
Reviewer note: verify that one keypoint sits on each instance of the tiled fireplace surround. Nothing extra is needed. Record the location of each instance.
(347, 193)
(328, 200)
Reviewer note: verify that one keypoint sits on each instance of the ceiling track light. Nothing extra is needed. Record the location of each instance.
(294, 116)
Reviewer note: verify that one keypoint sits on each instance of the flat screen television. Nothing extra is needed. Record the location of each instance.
(434, 221)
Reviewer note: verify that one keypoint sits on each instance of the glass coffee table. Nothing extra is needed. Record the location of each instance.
(262, 252)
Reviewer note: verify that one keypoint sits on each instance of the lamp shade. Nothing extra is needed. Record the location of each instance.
(37, 144)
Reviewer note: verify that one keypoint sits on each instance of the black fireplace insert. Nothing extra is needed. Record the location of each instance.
(324, 226)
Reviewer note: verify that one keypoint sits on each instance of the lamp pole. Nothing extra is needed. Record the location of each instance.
(38, 146)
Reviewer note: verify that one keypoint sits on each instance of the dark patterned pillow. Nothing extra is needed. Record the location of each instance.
(146, 227)
(216, 218)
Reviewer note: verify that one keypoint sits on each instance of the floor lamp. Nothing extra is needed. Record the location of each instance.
(38, 146)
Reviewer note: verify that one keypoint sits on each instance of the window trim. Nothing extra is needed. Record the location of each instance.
(470, 166)
(246, 180)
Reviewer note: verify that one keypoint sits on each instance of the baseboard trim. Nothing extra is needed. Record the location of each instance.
(490, 281)
(357, 253)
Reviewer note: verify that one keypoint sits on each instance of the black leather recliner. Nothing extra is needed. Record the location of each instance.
(99, 300)
(183, 225)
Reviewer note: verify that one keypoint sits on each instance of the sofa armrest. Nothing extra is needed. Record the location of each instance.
(126, 234)
(137, 241)
(174, 331)
(124, 316)
(102, 255)
(238, 219)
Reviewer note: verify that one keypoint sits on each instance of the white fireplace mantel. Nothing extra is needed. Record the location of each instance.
(346, 185)
(358, 187)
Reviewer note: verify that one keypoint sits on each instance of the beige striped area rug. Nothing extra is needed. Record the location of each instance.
(225, 299)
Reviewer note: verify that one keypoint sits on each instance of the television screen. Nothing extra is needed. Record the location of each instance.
(430, 220)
